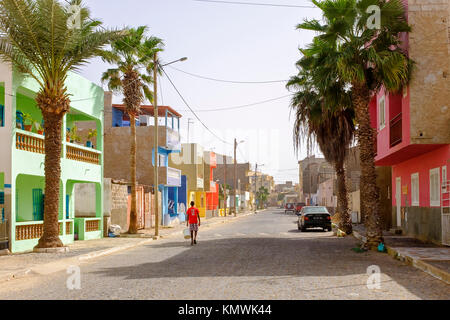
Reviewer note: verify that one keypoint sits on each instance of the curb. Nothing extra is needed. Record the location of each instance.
(62, 264)
(417, 263)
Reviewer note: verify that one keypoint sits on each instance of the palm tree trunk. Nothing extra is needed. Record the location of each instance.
(345, 223)
(53, 146)
(133, 210)
(369, 189)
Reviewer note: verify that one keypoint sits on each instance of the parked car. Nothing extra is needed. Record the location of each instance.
(289, 207)
(298, 207)
(314, 217)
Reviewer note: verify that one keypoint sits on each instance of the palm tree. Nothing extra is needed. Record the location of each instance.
(133, 57)
(327, 117)
(39, 42)
(366, 59)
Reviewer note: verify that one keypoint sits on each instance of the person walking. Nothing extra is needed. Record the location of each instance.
(193, 222)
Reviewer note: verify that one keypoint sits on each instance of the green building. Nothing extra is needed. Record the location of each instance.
(22, 155)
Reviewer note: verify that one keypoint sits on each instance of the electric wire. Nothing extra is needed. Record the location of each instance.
(193, 112)
(227, 81)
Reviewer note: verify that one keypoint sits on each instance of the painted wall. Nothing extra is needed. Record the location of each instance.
(393, 105)
(421, 165)
(429, 90)
(20, 165)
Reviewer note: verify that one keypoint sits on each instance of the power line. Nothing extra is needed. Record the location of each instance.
(227, 81)
(257, 4)
(193, 112)
(242, 106)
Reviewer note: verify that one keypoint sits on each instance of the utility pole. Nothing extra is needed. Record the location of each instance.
(155, 144)
(256, 172)
(225, 191)
(235, 177)
(189, 124)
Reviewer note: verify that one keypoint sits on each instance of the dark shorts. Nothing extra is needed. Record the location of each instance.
(193, 227)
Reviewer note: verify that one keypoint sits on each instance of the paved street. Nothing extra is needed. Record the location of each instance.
(261, 256)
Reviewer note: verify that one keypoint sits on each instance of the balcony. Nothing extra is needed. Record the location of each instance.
(169, 177)
(32, 142)
(83, 154)
(168, 138)
(396, 130)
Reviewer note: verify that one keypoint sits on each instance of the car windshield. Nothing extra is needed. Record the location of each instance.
(313, 210)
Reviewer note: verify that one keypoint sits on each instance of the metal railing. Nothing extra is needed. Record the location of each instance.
(396, 130)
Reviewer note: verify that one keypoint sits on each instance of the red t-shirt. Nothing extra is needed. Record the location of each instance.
(192, 213)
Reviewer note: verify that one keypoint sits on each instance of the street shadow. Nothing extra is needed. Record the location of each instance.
(325, 256)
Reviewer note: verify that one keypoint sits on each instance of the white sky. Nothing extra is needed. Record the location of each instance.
(231, 42)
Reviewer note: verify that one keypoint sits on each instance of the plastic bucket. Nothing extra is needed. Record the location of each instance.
(187, 233)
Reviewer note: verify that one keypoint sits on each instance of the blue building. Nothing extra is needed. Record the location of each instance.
(118, 150)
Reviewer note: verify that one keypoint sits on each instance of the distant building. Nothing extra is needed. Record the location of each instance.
(312, 172)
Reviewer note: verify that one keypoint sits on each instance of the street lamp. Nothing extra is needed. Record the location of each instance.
(155, 144)
(179, 60)
(235, 173)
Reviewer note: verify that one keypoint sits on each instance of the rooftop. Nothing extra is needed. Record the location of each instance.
(149, 110)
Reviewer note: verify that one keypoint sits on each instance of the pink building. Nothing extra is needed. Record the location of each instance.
(413, 128)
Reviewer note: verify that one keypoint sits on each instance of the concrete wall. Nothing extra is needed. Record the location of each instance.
(190, 162)
(85, 201)
(119, 205)
(429, 47)
(384, 178)
(422, 223)
(241, 174)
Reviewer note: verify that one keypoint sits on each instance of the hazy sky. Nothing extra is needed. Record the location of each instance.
(230, 42)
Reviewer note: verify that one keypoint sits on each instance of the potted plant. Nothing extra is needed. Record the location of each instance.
(74, 135)
(27, 121)
(91, 135)
(39, 128)
(68, 135)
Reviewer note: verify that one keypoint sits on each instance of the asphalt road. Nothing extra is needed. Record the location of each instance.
(261, 256)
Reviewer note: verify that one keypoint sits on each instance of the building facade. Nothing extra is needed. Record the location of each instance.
(117, 152)
(211, 185)
(413, 128)
(312, 172)
(22, 178)
(191, 162)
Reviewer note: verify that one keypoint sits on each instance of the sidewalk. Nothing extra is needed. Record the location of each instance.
(430, 258)
(16, 266)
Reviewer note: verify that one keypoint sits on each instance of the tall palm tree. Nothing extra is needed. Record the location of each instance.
(40, 43)
(327, 117)
(366, 59)
(133, 73)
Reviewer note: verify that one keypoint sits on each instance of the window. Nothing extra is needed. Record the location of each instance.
(435, 199)
(444, 179)
(382, 113)
(415, 189)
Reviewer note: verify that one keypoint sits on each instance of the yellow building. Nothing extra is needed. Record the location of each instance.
(191, 163)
